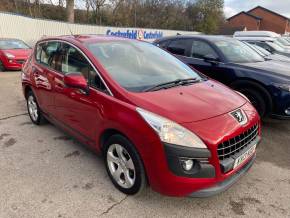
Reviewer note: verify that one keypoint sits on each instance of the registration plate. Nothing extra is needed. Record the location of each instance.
(244, 156)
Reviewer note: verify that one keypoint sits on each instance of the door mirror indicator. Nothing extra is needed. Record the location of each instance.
(211, 59)
(76, 80)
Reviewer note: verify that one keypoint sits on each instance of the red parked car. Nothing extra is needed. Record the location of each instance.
(154, 119)
(13, 53)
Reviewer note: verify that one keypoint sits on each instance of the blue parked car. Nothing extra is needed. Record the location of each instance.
(266, 83)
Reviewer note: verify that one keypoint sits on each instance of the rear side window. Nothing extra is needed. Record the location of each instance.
(46, 53)
(179, 46)
(38, 52)
(202, 49)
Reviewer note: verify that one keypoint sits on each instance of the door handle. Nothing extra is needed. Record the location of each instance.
(59, 84)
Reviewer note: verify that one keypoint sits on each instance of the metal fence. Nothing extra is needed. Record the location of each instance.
(31, 29)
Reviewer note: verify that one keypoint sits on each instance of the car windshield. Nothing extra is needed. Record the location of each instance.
(275, 46)
(137, 66)
(276, 42)
(256, 49)
(13, 44)
(283, 41)
(238, 52)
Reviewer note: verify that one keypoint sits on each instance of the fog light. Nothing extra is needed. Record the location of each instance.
(10, 61)
(287, 111)
(187, 164)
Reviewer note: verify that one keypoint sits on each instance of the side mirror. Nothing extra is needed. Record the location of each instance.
(211, 59)
(76, 80)
(270, 50)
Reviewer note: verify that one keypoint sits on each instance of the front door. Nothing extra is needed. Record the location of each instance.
(197, 58)
(79, 111)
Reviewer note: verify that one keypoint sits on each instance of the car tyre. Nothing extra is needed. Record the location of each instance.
(2, 68)
(124, 165)
(33, 109)
(257, 100)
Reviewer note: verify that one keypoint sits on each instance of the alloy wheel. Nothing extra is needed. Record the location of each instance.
(121, 166)
(32, 108)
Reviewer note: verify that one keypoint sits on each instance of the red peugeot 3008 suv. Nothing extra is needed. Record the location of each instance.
(153, 118)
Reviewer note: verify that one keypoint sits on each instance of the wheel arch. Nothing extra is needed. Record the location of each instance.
(251, 83)
(27, 88)
(107, 133)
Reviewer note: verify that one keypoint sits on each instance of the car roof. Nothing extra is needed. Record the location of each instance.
(244, 38)
(197, 36)
(10, 39)
(84, 38)
(256, 34)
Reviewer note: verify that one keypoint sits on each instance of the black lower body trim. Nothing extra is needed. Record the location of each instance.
(223, 186)
(201, 168)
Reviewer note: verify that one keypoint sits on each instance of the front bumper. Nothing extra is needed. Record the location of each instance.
(280, 117)
(226, 184)
(281, 105)
(14, 64)
(201, 168)
(170, 180)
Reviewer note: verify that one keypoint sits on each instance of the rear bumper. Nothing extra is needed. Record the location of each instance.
(226, 184)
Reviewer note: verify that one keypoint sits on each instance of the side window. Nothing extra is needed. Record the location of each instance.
(38, 52)
(201, 49)
(162, 44)
(265, 46)
(178, 46)
(73, 61)
(48, 52)
(96, 82)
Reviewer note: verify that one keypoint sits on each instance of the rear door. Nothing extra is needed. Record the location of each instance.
(42, 73)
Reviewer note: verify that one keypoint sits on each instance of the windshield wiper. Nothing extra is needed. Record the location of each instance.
(167, 85)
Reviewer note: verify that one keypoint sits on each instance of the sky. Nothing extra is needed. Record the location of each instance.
(233, 7)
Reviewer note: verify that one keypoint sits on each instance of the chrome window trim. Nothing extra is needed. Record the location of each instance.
(95, 69)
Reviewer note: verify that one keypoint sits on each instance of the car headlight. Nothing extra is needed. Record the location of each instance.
(171, 132)
(8, 55)
(285, 87)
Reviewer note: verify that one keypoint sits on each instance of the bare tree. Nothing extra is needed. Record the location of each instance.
(97, 5)
(70, 10)
(195, 15)
(88, 10)
(15, 5)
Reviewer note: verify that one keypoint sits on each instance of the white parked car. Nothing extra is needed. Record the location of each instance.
(263, 36)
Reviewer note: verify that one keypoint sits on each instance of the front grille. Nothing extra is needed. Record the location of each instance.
(234, 145)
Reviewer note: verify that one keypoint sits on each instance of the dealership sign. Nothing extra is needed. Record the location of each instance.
(136, 34)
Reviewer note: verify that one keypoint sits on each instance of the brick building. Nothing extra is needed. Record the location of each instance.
(260, 18)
